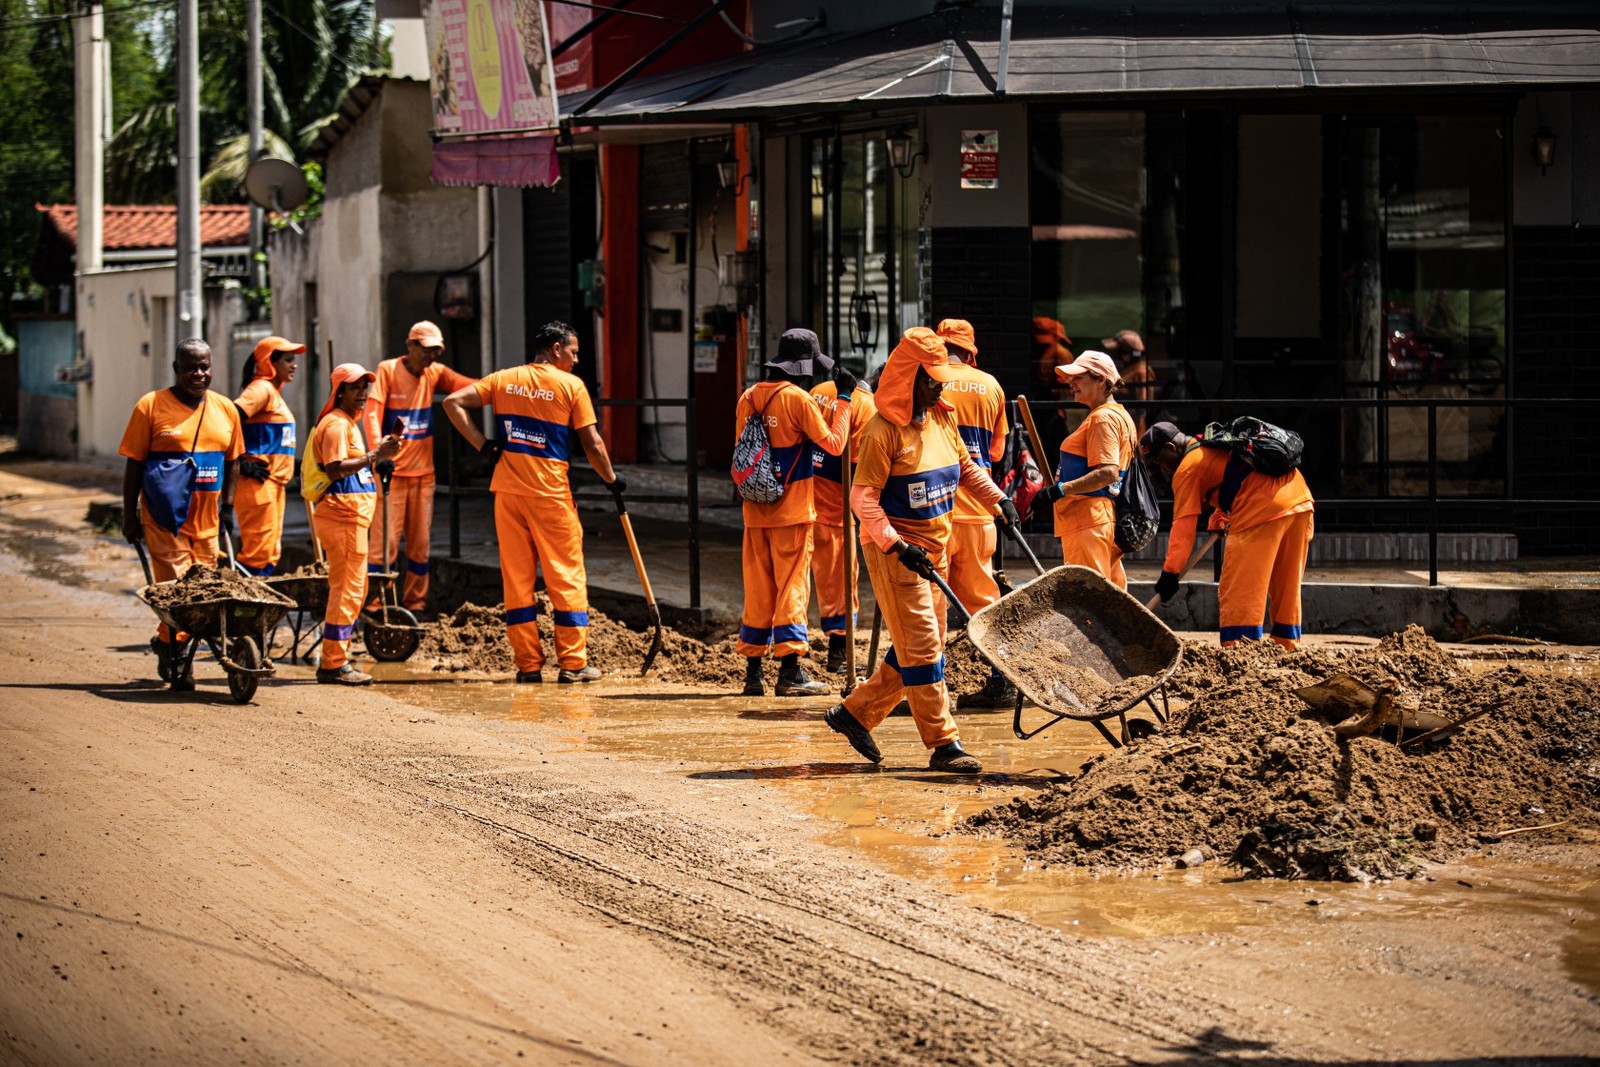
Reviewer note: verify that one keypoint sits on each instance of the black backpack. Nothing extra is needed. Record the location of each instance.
(1138, 512)
(1261, 446)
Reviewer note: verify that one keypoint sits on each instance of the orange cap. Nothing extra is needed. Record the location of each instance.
(1046, 330)
(427, 333)
(958, 332)
(343, 373)
(268, 347)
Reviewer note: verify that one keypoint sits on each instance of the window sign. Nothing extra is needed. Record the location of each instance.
(980, 159)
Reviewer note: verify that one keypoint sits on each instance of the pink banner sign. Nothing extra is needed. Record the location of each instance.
(489, 66)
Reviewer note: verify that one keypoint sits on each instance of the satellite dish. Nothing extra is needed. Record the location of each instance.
(275, 184)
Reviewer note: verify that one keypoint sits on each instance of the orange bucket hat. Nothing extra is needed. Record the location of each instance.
(268, 347)
(958, 332)
(922, 349)
(343, 374)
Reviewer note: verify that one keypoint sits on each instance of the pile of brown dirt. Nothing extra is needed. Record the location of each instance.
(1247, 770)
(202, 583)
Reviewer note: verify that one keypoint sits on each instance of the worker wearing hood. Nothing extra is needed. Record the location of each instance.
(912, 462)
(269, 447)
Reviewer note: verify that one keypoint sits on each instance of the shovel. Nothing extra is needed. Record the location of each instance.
(849, 555)
(644, 580)
(1366, 711)
(1205, 546)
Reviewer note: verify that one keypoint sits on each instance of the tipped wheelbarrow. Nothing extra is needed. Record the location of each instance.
(1079, 648)
(235, 628)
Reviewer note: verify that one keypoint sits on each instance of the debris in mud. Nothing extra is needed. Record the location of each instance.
(305, 570)
(201, 583)
(1247, 770)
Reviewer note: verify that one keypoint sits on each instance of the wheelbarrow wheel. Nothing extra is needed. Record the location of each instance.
(242, 684)
(392, 634)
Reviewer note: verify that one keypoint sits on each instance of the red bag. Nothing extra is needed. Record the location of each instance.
(1023, 481)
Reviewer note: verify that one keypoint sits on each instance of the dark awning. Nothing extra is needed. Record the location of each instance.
(1063, 53)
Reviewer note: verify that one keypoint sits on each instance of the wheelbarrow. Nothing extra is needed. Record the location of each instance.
(391, 632)
(310, 595)
(1078, 647)
(235, 628)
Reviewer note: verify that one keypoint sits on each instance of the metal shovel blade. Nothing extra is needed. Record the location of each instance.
(1338, 697)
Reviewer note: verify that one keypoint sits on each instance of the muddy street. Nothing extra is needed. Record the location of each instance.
(444, 869)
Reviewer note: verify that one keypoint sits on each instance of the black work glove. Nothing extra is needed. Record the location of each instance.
(1044, 500)
(1166, 586)
(617, 485)
(491, 450)
(384, 468)
(915, 560)
(254, 468)
(843, 380)
(1009, 516)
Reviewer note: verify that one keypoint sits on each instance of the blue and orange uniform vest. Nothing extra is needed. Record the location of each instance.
(269, 429)
(164, 435)
(980, 416)
(1106, 435)
(353, 497)
(398, 394)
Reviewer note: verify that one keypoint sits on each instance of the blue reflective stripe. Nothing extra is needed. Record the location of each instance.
(337, 631)
(419, 569)
(570, 618)
(518, 616)
(259, 572)
(789, 631)
(1241, 633)
(826, 466)
(752, 635)
(528, 436)
(833, 622)
(1073, 466)
(923, 673)
(269, 438)
(374, 568)
(1286, 630)
(978, 439)
(419, 422)
(891, 661)
(789, 462)
(924, 495)
(353, 484)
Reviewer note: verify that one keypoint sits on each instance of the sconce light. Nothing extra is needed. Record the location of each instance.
(1544, 148)
(900, 157)
(728, 171)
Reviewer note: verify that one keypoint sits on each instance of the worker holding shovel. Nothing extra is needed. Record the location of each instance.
(178, 484)
(269, 449)
(541, 410)
(912, 461)
(828, 548)
(1269, 523)
(338, 461)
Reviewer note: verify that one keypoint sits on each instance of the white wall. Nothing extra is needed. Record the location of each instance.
(951, 205)
(125, 318)
(350, 279)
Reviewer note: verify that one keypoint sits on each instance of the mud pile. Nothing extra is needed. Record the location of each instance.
(201, 583)
(1247, 771)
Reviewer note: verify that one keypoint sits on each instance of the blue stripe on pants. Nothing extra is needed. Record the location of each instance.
(332, 631)
(833, 622)
(1286, 631)
(419, 569)
(518, 616)
(570, 618)
(1241, 633)
(752, 635)
(789, 631)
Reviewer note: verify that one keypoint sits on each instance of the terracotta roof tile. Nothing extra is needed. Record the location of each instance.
(133, 226)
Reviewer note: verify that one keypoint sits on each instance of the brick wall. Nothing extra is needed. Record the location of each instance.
(1556, 345)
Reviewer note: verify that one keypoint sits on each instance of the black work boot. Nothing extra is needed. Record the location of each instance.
(840, 721)
(752, 678)
(793, 681)
(996, 693)
(954, 759)
(836, 653)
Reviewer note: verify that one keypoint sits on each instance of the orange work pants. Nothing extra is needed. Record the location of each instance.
(972, 564)
(411, 514)
(259, 504)
(1261, 564)
(344, 544)
(777, 564)
(171, 556)
(1095, 547)
(914, 610)
(827, 571)
(537, 532)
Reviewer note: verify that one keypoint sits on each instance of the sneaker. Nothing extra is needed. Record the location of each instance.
(346, 675)
(996, 693)
(797, 683)
(836, 654)
(529, 677)
(585, 674)
(954, 759)
(840, 721)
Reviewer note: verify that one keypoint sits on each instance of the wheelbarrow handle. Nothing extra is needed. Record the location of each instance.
(1027, 549)
(144, 560)
(950, 595)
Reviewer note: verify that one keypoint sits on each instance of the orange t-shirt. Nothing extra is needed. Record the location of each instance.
(917, 469)
(352, 498)
(163, 431)
(980, 410)
(537, 406)
(793, 421)
(268, 428)
(1105, 436)
(827, 489)
(1195, 485)
(397, 393)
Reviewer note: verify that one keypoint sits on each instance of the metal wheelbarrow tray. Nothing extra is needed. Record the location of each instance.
(241, 652)
(1078, 647)
(310, 595)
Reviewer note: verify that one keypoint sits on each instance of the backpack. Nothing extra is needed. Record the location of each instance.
(1261, 446)
(1138, 512)
(753, 473)
(314, 481)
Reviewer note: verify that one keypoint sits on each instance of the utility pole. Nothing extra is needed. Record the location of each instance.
(252, 16)
(89, 93)
(189, 281)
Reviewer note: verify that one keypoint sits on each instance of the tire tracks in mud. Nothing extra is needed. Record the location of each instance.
(855, 964)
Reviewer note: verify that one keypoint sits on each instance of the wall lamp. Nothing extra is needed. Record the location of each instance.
(728, 171)
(900, 155)
(1544, 149)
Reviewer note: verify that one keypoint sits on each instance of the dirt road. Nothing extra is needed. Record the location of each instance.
(345, 877)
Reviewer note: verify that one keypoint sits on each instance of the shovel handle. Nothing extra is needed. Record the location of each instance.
(1027, 550)
(1205, 546)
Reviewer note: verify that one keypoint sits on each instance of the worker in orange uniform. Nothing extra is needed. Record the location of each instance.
(1094, 460)
(1269, 522)
(778, 537)
(912, 462)
(344, 513)
(269, 449)
(178, 484)
(979, 405)
(403, 392)
(539, 408)
(827, 533)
